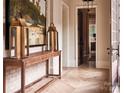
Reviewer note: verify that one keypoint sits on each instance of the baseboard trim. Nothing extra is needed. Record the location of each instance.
(103, 64)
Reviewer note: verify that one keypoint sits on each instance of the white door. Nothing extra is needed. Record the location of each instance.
(115, 41)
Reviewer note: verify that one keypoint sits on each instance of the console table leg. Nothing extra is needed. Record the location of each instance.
(47, 68)
(4, 78)
(23, 78)
(60, 65)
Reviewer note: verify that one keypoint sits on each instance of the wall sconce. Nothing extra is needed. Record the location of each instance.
(18, 38)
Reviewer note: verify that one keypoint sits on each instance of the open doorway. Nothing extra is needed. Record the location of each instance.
(87, 36)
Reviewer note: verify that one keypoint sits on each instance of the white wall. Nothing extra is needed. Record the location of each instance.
(64, 36)
(72, 39)
(103, 34)
(71, 57)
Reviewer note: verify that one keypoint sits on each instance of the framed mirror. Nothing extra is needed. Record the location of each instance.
(34, 14)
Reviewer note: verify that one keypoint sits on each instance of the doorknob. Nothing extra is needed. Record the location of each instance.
(109, 51)
(113, 49)
(118, 50)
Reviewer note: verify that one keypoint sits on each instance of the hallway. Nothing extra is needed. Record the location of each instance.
(80, 80)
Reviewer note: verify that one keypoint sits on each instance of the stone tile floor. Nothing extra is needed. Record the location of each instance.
(80, 80)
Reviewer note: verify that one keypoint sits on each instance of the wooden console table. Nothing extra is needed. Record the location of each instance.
(28, 61)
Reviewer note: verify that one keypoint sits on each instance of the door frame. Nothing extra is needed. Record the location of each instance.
(76, 33)
(117, 64)
(67, 7)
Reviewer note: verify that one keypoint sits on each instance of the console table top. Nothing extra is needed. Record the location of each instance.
(33, 58)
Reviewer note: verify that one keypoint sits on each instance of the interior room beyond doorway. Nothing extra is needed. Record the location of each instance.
(87, 36)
